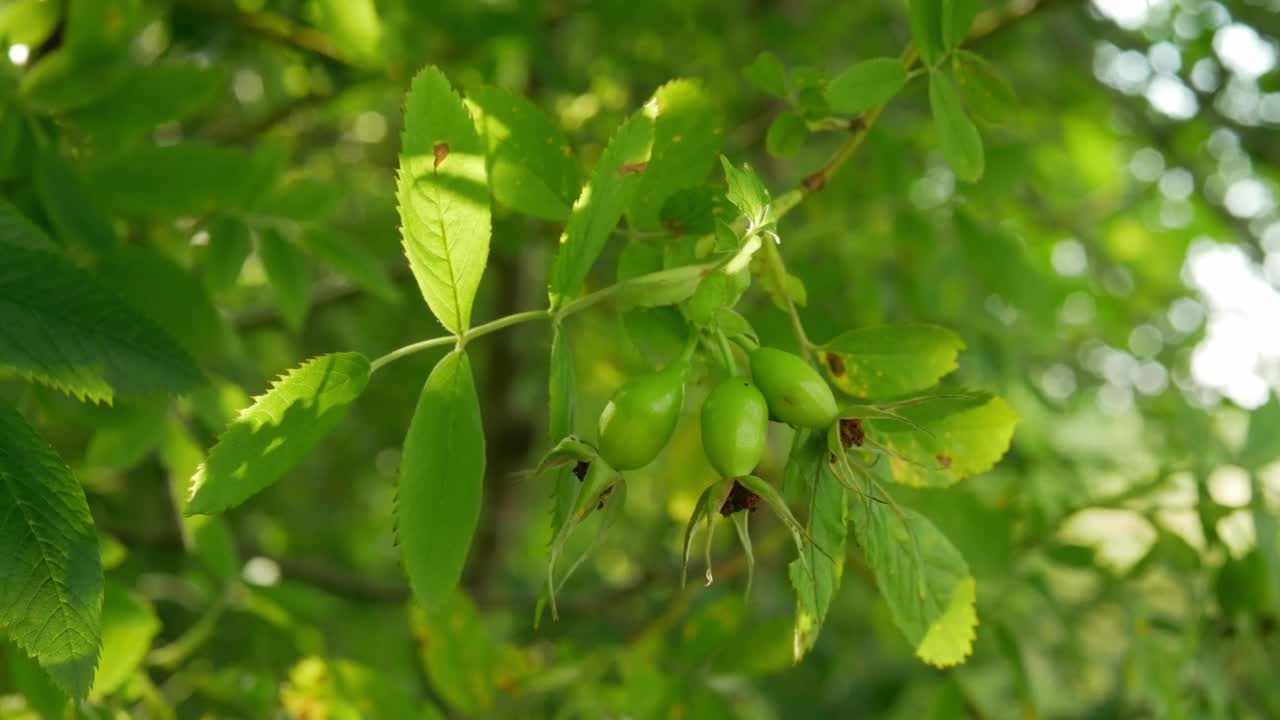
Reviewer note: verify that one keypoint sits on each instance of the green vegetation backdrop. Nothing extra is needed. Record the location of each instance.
(310, 309)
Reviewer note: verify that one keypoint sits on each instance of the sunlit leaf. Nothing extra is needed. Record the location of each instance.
(946, 439)
(687, 130)
(891, 359)
(128, 626)
(277, 431)
(443, 197)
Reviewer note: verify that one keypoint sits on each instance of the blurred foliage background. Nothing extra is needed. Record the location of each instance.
(229, 168)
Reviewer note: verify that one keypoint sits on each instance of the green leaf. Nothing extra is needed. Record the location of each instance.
(127, 435)
(926, 29)
(599, 206)
(666, 287)
(167, 294)
(1261, 445)
(957, 18)
(946, 439)
(866, 85)
(348, 256)
(129, 624)
(786, 135)
(37, 688)
(70, 209)
(64, 329)
(301, 199)
(746, 192)
(443, 197)
(531, 167)
(687, 130)
(150, 96)
(988, 93)
(51, 588)
(354, 28)
(957, 136)
(289, 276)
(29, 22)
(16, 229)
(810, 483)
(441, 482)
(183, 180)
(923, 578)
(459, 655)
(890, 360)
(767, 74)
(277, 431)
(73, 76)
(229, 246)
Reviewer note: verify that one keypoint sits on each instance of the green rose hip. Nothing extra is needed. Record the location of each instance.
(735, 425)
(640, 419)
(796, 393)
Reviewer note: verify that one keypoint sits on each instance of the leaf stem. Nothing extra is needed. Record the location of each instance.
(475, 332)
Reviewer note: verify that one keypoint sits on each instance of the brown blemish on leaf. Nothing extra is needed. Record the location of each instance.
(580, 470)
(636, 168)
(851, 432)
(836, 363)
(944, 461)
(739, 499)
(441, 151)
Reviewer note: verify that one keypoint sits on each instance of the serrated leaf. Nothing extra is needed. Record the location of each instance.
(948, 439)
(767, 74)
(288, 274)
(926, 29)
(890, 360)
(531, 167)
(345, 254)
(923, 578)
(66, 201)
(957, 18)
(746, 192)
(441, 481)
(866, 85)
(786, 135)
(148, 97)
(37, 688)
(277, 431)
(443, 196)
(64, 329)
(50, 570)
(599, 206)
(810, 482)
(129, 624)
(687, 130)
(354, 27)
(184, 180)
(957, 136)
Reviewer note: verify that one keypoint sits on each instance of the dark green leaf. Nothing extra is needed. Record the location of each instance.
(988, 93)
(277, 431)
(172, 181)
(67, 204)
(149, 97)
(62, 328)
(229, 246)
(288, 274)
(348, 256)
(441, 482)
(51, 594)
(169, 295)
